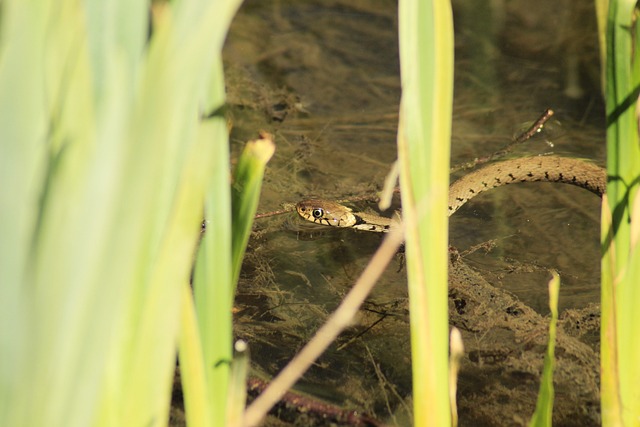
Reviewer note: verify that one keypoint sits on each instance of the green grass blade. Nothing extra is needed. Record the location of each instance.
(247, 182)
(110, 162)
(609, 380)
(192, 368)
(426, 58)
(623, 150)
(212, 279)
(238, 385)
(23, 162)
(212, 283)
(544, 408)
(115, 28)
(602, 7)
(620, 297)
(217, 271)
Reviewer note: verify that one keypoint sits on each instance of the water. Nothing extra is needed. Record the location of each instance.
(324, 78)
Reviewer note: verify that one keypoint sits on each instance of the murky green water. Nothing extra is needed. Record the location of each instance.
(323, 77)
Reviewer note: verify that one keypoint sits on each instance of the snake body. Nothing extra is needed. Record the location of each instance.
(529, 169)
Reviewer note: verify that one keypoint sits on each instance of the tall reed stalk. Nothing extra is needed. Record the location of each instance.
(110, 141)
(620, 347)
(426, 62)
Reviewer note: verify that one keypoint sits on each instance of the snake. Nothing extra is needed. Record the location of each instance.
(557, 169)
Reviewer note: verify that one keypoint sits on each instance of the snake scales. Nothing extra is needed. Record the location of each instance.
(529, 169)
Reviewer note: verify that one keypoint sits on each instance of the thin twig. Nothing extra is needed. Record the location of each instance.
(286, 208)
(534, 129)
(273, 213)
(336, 323)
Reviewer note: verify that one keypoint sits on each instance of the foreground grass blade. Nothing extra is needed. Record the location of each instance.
(220, 257)
(602, 7)
(192, 368)
(102, 137)
(212, 277)
(426, 59)
(238, 385)
(212, 285)
(544, 407)
(620, 351)
(609, 379)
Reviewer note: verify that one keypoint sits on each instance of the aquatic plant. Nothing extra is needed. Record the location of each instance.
(620, 349)
(424, 135)
(112, 138)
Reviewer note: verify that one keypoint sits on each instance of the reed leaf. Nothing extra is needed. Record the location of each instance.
(247, 182)
(103, 139)
(426, 58)
(219, 261)
(620, 400)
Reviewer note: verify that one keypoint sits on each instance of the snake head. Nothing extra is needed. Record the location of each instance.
(326, 213)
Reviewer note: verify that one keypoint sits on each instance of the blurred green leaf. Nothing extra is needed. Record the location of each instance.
(110, 163)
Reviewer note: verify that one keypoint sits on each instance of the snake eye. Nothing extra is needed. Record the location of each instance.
(318, 213)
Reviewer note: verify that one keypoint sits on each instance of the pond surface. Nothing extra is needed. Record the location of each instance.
(323, 77)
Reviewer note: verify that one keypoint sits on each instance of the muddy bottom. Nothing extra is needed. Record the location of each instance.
(323, 77)
(369, 368)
